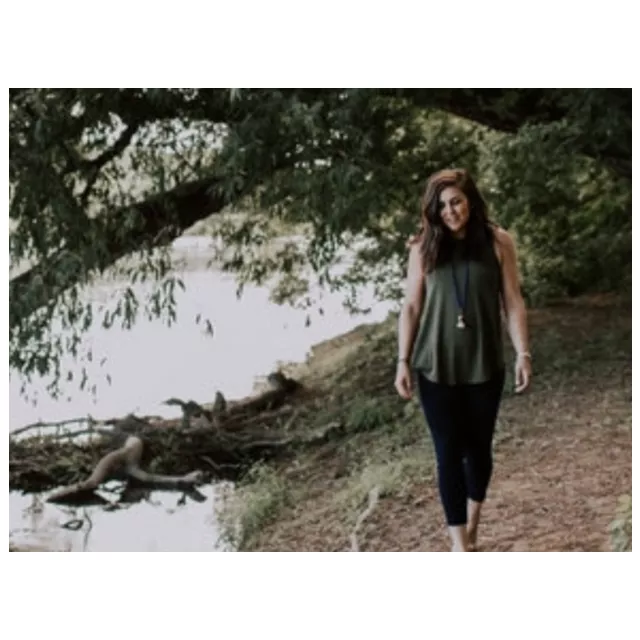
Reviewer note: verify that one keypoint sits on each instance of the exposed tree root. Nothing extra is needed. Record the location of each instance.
(374, 494)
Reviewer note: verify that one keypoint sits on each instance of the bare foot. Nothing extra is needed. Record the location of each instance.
(473, 510)
(472, 537)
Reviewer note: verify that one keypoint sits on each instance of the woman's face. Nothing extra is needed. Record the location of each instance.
(454, 210)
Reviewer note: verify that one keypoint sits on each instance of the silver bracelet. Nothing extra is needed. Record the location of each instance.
(524, 354)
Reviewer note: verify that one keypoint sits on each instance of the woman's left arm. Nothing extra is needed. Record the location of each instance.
(515, 310)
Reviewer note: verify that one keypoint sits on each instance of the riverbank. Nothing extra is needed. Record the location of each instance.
(252, 334)
(356, 469)
(562, 451)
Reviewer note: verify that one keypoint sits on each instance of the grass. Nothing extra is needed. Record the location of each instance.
(390, 477)
(251, 505)
(620, 528)
(383, 446)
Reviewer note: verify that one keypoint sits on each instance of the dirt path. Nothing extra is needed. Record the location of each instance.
(557, 494)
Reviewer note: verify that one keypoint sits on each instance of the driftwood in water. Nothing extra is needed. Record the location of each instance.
(279, 388)
(266, 427)
(125, 461)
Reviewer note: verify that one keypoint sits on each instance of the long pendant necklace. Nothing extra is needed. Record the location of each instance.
(462, 303)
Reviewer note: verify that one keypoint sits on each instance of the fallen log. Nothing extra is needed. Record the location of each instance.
(125, 460)
(265, 428)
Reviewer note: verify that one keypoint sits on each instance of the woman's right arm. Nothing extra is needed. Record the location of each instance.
(409, 319)
(412, 305)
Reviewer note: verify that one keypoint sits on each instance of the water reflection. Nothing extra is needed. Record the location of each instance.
(142, 521)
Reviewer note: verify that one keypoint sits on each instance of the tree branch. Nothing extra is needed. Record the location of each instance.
(109, 154)
(53, 425)
(507, 110)
(160, 219)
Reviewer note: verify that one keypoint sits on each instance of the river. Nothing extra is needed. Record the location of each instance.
(152, 362)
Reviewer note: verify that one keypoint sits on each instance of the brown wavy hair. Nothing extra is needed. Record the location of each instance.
(435, 238)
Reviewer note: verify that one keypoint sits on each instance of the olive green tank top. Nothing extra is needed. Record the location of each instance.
(444, 353)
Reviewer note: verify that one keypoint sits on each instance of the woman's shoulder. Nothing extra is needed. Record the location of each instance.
(501, 236)
(416, 258)
(415, 239)
(499, 233)
(502, 241)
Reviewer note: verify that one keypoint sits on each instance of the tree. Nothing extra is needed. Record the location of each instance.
(98, 176)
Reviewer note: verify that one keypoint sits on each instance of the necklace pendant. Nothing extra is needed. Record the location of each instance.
(460, 324)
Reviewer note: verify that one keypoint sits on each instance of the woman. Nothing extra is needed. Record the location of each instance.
(462, 271)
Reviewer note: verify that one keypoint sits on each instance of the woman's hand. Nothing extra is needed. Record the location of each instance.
(404, 381)
(522, 372)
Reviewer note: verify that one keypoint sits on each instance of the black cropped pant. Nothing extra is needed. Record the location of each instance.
(462, 421)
